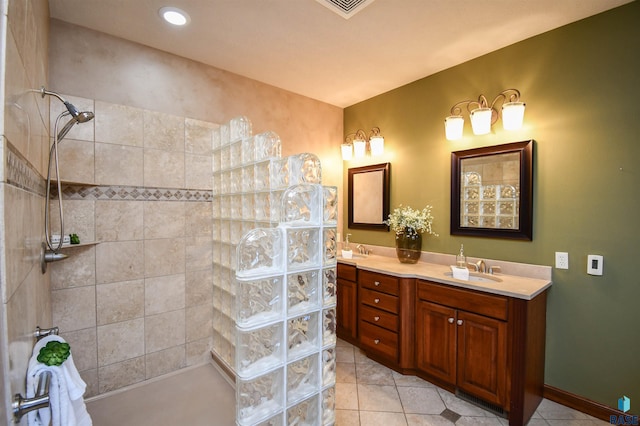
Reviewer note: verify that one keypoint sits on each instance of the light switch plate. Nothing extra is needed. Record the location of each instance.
(594, 264)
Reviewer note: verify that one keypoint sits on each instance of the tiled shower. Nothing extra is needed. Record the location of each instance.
(116, 151)
(135, 299)
(160, 204)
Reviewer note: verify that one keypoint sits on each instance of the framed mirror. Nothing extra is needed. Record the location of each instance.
(368, 197)
(492, 191)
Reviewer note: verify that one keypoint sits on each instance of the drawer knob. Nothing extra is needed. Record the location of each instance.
(376, 318)
(451, 320)
(376, 300)
(376, 283)
(459, 322)
(376, 341)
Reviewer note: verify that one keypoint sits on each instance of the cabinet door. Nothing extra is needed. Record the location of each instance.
(436, 340)
(346, 310)
(482, 356)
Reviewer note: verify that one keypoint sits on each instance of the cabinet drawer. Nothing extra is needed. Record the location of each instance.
(379, 300)
(468, 300)
(346, 272)
(379, 318)
(379, 282)
(379, 340)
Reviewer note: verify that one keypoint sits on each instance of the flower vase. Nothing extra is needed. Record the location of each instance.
(408, 246)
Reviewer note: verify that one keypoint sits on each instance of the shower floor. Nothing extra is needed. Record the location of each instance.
(196, 396)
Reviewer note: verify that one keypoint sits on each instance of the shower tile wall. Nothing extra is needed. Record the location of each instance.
(139, 303)
(23, 146)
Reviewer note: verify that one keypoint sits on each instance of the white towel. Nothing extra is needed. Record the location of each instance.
(66, 405)
(460, 273)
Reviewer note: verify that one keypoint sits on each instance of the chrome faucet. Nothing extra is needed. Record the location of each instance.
(494, 268)
(362, 249)
(482, 267)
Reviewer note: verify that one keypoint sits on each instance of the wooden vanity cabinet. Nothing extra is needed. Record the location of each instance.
(347, 304)
(486, 347)
(489, 347)
(461, 339)
(385, 318)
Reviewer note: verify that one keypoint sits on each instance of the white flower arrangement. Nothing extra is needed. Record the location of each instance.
(406, 219)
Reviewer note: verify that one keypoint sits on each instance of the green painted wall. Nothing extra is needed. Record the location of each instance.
(581, 84)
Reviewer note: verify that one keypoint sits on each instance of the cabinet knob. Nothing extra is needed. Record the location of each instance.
(376, 283)
(376, 341)
(451, 320)
(376, 318)
(376, 300)
(459, 322)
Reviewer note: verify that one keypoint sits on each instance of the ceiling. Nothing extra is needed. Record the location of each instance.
(307, 48)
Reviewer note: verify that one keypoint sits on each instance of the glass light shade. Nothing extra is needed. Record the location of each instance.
(174, 16)
(481, 121)
(347, 151)
(453, 126)
(377, 145)
(359, 148)
(512, 115)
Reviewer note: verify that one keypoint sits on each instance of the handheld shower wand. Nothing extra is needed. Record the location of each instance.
(76, 117)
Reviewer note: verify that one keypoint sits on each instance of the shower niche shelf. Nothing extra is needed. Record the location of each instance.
(72, 183)
(90, 243)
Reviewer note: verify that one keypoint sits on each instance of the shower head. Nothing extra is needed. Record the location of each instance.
(76, 116)
(81, 117)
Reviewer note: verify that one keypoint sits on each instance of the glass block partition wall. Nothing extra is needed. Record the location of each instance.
(275, 255)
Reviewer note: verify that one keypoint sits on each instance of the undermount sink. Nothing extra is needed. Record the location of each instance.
(477, 277)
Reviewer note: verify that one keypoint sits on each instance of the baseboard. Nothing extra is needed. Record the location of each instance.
(587, 406)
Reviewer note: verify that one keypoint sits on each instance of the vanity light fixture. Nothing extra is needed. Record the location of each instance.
(174, 16)
(355, 144)
(483, 115)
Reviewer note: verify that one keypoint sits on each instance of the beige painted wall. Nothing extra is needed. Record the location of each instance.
(98, 66)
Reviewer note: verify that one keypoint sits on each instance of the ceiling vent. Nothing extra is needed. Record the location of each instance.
(345, 8)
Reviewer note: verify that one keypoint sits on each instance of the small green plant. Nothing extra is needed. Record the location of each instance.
(74, 239)
(54, 353)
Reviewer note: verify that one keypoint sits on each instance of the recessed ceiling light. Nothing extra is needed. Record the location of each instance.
(174, 16)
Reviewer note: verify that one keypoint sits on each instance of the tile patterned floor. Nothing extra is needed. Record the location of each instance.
(370, 394)
(367, 394)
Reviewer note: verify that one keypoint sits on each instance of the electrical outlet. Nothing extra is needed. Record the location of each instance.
(562, 260)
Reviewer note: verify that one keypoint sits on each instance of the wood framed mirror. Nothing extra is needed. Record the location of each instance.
(492, 191)
(368, 197)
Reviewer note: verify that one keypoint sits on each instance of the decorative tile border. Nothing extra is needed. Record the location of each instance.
(96, 192)
(21, 174)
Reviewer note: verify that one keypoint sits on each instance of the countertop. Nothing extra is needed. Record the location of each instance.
(510, 285)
